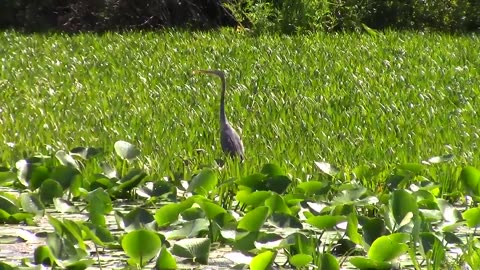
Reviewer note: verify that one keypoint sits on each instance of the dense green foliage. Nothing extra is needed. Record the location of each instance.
(372, 135)
(346, 99)
(281, 16)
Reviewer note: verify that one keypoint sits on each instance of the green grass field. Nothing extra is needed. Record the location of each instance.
(348, 99)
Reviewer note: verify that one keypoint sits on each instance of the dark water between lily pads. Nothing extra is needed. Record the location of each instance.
(18, 242)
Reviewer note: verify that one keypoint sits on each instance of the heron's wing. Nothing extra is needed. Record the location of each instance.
(231, 142)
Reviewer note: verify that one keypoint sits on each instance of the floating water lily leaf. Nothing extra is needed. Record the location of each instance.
(64, 206)
(272, 170)
(196, 249)
(263, 261)
(276, 204)
(8, 205)
(190, 229)
(277, 183)
(99, 204)
(401, 203)
(138, 218)
(327, 168)
(254, 219)
(283, 220)
(368, 264)
(131, 180)
(86, 152)
(165, 260)
(253, 199)
(141, 246)
(169, 213)
(98, 234)
(50, 189)
(472, 217)
(300, 260)
(312, 187)
(64, 175)
(325, 222)
(66, 160)
(126, 150)
(470, 178)
(388, 247)
(203, 182)
(31, 203)
(38, 175)
(157, 189)
(328, 262)
(211, 210)
(245, 241)
(352, 229)
(43, 255)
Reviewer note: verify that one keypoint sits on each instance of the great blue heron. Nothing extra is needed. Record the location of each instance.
(231, 142)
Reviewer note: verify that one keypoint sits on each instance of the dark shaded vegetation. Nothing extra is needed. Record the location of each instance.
(282, 16)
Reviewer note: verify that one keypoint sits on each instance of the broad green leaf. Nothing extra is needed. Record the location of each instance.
(141, 245)
(211, 210)
(328, 262)
(276, 204)
(43, 255)
(254, 219)
(272, 170)
(277, 183)
(32, 204)
(86, 152)
(100, 235)
(325, 222)
(388, 247)
(415, 168)
(131, 180)
(372, 228)
(165, 260)
(50, 189)
(8, 205)
(312, 187)
(283, 220)
(263, 261)
(472, 216)
(401, 203)
(363, 263)
(167, 214)
(190, 229)
(196, 249)
(126, 150)
(64, 175)
(5, 266)
(64, 206)
(38, 175)
(253, 199)
(66, 160)
(300, 260)
(352, 229)
(138, 218)
(203, 182)
(470, 178)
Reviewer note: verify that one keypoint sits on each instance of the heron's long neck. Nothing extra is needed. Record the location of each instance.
(223, 118)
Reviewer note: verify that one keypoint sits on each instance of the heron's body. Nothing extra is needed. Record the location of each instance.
(229, 138)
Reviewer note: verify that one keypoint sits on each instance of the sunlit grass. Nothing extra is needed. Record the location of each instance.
(348, 99)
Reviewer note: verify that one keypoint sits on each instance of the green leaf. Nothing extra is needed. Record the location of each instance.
(352, 229)
(64, 175)
(31, 203)
(203, 182)
(263, 261)
(300, 260)
(325, 222)
(389, 247)
(138, 218)
(211, 210)
(401, 203)
(189, 229)
(472, 217)
(8, 205)
(283, 220)
(64, 206)
(277, 183)
(165, 260)
(254, 219)
(141, 245)
(196, 249)
(98, 234)
(253, 199)
(312, 187)
(43, 255)
(272, 170)
(131, 180)
(126, 150)
(470, 178)
(369, 264)
(86, 152)
(328, 262)
(50, 189)
(38, 175)
(275, 203)
(169, 213)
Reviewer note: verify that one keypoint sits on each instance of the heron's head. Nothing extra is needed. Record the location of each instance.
(218, 73)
